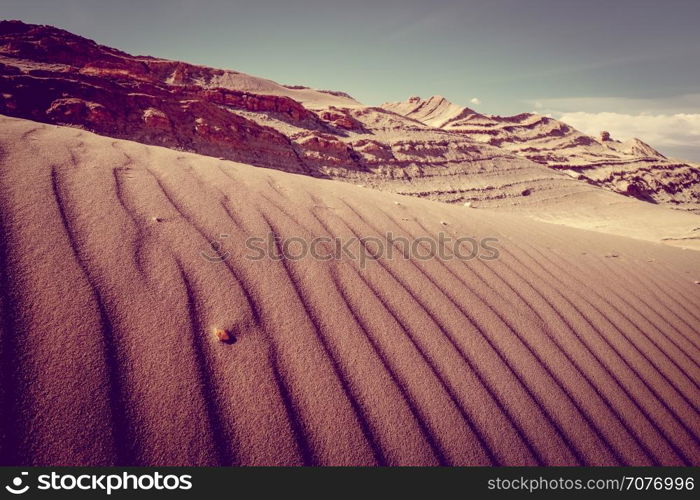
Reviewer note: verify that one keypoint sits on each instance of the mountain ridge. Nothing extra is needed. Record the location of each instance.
(631, 168)
(430, 148)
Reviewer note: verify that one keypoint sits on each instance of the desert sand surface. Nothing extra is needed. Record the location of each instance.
(573, 347)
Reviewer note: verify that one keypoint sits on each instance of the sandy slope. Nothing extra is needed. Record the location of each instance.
(573, 347)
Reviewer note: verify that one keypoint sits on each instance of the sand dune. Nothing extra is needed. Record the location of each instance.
(573, 347)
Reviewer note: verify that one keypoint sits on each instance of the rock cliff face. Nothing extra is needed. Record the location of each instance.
(430, 148)
(53, 76)
(631, 168)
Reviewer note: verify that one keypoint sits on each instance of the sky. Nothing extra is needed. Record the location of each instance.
(631, 67)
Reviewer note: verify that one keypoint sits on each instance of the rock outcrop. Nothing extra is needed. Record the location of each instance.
(631, 168)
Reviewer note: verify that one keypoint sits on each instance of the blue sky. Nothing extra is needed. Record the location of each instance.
(599, 63)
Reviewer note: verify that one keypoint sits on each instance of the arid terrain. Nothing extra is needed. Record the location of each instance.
(136, 329)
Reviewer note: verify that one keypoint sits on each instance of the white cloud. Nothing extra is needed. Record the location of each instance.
(662, 130)
(475, 100)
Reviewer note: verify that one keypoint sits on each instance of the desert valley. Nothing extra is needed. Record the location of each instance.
(135, 329)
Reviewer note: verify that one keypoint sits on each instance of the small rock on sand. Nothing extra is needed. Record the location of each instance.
(224, 336)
